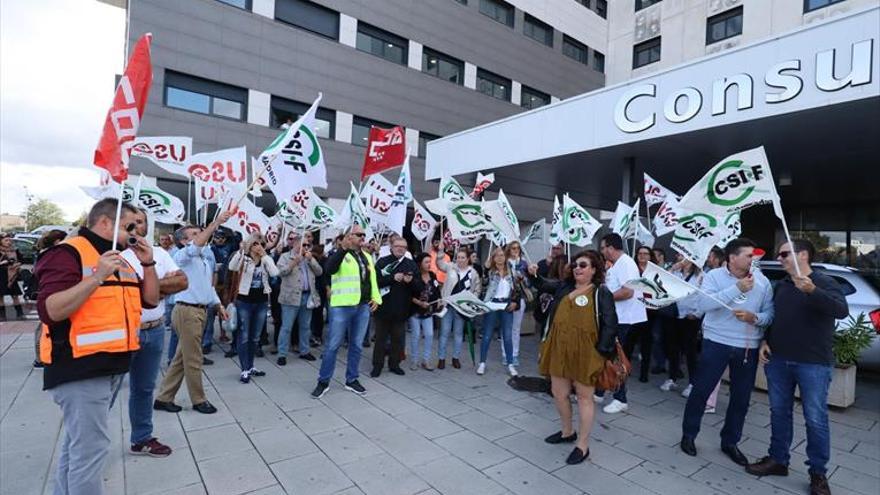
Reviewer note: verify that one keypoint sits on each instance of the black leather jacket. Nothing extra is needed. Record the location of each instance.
(606, 313)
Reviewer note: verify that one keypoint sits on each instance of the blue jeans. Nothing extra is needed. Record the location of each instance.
(417, 327)
(452, 321)
(142, 381)
(491, 320)
(813, 381)
(713, 359)
(251, 317)
(301, 316)
(348, 321)
(208, 334)
(623, 331)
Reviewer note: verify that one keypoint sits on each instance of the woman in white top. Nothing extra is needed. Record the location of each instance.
(502, 293)
(254, 268)
(460, 276)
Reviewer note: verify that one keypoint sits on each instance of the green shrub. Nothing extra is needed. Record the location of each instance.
(855, 336)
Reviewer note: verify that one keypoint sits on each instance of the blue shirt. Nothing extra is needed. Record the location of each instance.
(197, 262)
(719, 323)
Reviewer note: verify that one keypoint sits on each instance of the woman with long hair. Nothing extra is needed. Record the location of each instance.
(10, 264)
(502, 291)
(460, 277)
(520, 270)
(254, 267)
(49, 239)
(425, 291)
(582, 330)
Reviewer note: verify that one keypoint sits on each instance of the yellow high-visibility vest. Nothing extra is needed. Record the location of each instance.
(345, 284)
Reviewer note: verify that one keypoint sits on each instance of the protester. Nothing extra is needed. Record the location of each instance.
(321, 288)
(501, 289)
(145, 361)
(166, 242)
(797, 352)
(395, 272)
(188, 317)
(520, 269)
(714, 260)
(437, 251)
(459, 277)
(254, 267)
(642, 333)
(426, 302)
(354, 295)
(581, 336)
(48, 240)
(10, 265)
(730, 339)
(222, 249)
(88, 336)
(682, 334)
(475, 262)
(658, 332)
(629, 310)
(211, 261)
(292, 241)
(298, 295)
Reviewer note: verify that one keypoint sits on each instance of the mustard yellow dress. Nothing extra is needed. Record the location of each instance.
(570, 348)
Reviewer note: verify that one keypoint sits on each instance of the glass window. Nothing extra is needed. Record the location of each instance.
(442, 66)
(599, 61)
(537, 30)
(865, 251)
(195, 94)
(309, 16)
(811, 5)
(498, 10)
(284, 111)
(574, 49)
(187, 100)
(646, 53)
(493, 85)
(227, 108)
(424, 139)
(644, 4)
(242, 4)
(724, 25)
(360, 130)
(602, 8)
(532, 98)
(382, 44)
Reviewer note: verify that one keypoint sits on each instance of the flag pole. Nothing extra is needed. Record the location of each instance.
(118, 215)
(797, 267)
(256, 179)
(188, 198)
(696, 288)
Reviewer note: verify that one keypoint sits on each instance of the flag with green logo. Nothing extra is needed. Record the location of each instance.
(353, 213)
(451, 190)
(578, 226)
(556, 223)
(466, 220)
(536, 232)
(657, 288)
(733, 229)
(625, 221)
(470, 306)
(497, 215)
(508, 212)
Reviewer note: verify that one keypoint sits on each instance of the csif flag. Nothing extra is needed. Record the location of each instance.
(353, 214)
(578, 226)
(657, 288)
(470, 306)
(625, 219)
(536, 232)
(556, 223)
(386, 149)
(400, 197)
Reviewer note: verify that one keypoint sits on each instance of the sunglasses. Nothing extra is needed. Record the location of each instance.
(583, 265)
(291, 239)
(783, 254)
(360, 234)
(307, 246)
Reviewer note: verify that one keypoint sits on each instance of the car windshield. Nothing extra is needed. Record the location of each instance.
(873, 281)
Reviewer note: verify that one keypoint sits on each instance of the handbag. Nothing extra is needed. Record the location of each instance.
(616, 370)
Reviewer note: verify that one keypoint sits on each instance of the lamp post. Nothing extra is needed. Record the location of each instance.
(28, 197)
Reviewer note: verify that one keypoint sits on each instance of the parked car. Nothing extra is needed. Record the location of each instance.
(26, 247)
(862, 291)
(25, 235)
(39, 231)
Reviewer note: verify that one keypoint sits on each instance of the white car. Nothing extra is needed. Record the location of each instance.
(39, 231)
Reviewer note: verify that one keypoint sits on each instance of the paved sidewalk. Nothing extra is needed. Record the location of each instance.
(449, 432)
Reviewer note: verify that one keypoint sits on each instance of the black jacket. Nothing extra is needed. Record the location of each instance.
(606, 313)
(395, 304)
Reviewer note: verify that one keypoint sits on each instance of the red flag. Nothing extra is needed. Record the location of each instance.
(124, 116)
(386, 150)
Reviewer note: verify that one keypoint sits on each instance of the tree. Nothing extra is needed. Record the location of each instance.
(82, 219)
(43, 212)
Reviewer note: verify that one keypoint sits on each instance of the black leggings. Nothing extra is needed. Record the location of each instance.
(682, 337)
(641, 335)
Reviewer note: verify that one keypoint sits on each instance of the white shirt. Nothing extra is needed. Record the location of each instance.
(502, 290)
(164, 266)
(629, 311)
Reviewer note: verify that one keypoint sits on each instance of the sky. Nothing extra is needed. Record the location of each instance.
(58, 61)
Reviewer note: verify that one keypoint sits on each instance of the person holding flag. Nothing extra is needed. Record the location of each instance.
(394, 274)
(501, 289)
(460, 276)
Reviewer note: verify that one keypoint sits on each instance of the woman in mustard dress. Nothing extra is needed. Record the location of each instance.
(581, 331)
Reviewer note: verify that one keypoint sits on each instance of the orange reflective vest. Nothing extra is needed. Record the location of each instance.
(110, 319)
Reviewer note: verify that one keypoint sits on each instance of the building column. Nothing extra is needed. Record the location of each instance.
(415, 55)
(344, 122)
(629, 170)
(515, 92)
(348, 30)
(412, 141)
(265, 8)
(470, 75)
(258, 107)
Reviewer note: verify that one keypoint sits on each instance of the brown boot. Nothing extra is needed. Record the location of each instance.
(456, 363)
(441, 364)
(819, 484)
(767, 467)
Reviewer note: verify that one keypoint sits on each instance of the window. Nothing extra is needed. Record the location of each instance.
(646, 53)
(204, 96)
(537, 30)
(602, 8)
(424, 139)
(283, 109)
(598, 61)
(644, 4)
(442, 66)
(360, 130)
(493, 85)
(724, 25)
(309, 16)
(811, 5)
(532, 98)
(574, 49)
(498, 10)
(242, 4)
(382, 44)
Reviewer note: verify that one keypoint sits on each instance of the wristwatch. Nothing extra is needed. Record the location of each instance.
(151, 263)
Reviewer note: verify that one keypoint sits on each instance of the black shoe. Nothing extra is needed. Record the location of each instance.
(735, 455)
(397, 371)
(367, 343)
(207, 362)
(819, 484)
(558, 438)
(38, 364)
(688, 447)
(376, 372)
(230, 353)
(577, 456)
(166, 406)
(767, 467)
(308, 357)
(205, 408)
(259, 352)
(256, 372)
(643, 378)
(282, 361)
(206, 350)
(314, 342)
(320, 390)
(356, 387)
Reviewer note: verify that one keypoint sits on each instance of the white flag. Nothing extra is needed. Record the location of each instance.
(655, 193)
(353, 213)
(644, 236)
(666, 217)
(658, 288)
(438, 206)
(451, 190)
(377, 194)
(556, 223)
(161, 206)
(695, 235)
(400, 198)
(470, 306)
(310, 211)
(625, 219)
(495, 213)
(507, 208)
(537, 231)
(247, 217)
(168, 152)
(257, 190)
(466, 220)
(483, 183)
(216, 172)
(423, 223)
(733, 227)
(578, 226)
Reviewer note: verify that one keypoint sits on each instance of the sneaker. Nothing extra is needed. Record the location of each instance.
(356, 387)
(709, 410)
(256, 372)
(414, 365)
(615, 407)
(375, 372)
(427, 367)
(320, 390)
(667, 385)
(687, 391)
(512, 370)
(152, 448)
(282, 361)
(481, 369)
(230, 353)
(598, 399)
(207, 362)
(245, 377)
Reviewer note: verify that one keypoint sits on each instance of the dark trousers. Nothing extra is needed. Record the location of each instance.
(385, 329)
(275, 311)
(682, 338)
(713, 359)
(640, 335)
(318, 323)
(624, 334)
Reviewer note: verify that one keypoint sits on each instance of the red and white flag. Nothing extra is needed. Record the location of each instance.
(483, 183)
(386, 150)
(124, 116)
(656, 193)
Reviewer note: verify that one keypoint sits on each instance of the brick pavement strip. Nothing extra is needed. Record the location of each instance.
(447, 432)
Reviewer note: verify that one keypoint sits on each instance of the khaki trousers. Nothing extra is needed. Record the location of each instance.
(189, 323)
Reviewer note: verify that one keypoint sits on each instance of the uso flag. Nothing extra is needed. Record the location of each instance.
(124, 116)
(386, 150)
